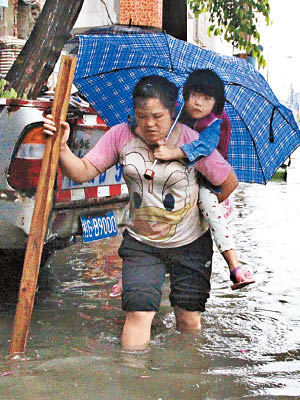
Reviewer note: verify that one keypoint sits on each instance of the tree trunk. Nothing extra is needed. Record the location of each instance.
(38, 57)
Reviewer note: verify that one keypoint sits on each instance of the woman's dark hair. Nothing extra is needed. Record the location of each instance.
(207, 82)
(156, 87)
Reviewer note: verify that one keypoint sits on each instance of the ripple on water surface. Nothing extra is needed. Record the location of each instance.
(248, 348)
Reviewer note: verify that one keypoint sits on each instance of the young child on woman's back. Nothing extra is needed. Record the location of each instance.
(204, 111)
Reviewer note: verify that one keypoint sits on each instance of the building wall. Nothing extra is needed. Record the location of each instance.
(197, 31)
(7, 17)
(143, 12)
(101, 13)
(98, 13)
(197, 34)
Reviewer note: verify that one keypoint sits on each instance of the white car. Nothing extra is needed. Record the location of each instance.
(93, 210)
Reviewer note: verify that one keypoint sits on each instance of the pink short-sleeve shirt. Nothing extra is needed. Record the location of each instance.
(163, 212)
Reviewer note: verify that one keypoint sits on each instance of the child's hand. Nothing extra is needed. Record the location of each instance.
(167, 153)
(50, 129)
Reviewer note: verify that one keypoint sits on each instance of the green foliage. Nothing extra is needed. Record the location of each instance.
(237, 21)
(7, 92)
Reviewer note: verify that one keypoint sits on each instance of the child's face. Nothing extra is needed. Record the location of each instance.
(199, 105)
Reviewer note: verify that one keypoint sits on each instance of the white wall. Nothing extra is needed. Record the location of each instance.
(94, 13)
(197, 34)
(281, 47)
(197, 31)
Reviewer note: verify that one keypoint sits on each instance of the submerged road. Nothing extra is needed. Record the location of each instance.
(249, 347)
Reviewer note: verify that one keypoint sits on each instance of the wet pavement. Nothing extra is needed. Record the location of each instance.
(249, 347)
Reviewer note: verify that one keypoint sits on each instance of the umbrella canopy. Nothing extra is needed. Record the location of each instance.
(264, 132)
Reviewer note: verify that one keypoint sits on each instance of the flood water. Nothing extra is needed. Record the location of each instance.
(249, 347)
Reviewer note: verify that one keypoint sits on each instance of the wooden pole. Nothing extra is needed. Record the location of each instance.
(42, 207)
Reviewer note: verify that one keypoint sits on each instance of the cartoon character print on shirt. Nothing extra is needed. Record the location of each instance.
(156, 214)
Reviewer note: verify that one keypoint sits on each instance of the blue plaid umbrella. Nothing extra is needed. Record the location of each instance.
(264, 132)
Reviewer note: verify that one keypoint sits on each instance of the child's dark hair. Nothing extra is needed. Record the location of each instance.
(156, 87)
(207, 82)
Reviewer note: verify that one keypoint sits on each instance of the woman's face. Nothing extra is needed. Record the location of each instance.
(199, 105)
(153, 121)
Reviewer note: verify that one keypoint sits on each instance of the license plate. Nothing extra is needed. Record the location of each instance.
(97, 228)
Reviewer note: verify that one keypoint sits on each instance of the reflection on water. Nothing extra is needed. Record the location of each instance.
(249, 346)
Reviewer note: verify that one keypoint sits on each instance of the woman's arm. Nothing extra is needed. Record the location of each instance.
(219, 173)
(164, 152)
(192, 152)
(228, 186)
(77, 169)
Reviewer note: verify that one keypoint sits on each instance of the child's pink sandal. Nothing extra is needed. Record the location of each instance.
(241, 277)
(116, 289)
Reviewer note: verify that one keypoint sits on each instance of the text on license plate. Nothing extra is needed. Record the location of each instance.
(97, 228)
